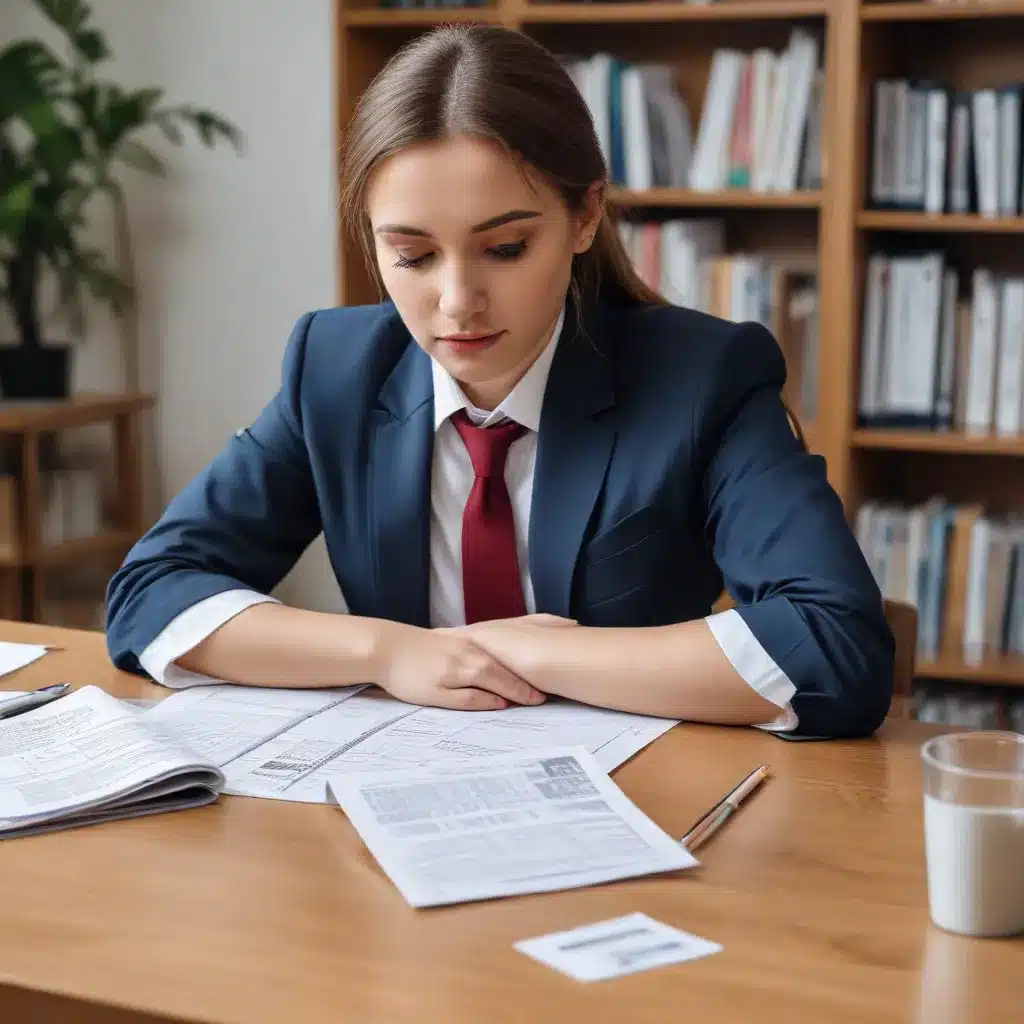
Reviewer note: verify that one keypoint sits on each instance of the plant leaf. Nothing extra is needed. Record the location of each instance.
(136, 155)
(208, 125)
(29, 73)
(70, 15)
(171, 131)
(113, 114)
(91, 46)
(15, 203)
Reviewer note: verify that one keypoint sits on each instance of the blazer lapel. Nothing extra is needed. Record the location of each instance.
(573, 450)
(401, 451)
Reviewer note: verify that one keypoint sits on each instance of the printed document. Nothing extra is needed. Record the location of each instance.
(88, 757)
(223, 722)
(503, 825)
(285, 744)
(14, 656)
(293, 765)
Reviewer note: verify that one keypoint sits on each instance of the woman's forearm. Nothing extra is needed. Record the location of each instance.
(676, 671)
(275, 645)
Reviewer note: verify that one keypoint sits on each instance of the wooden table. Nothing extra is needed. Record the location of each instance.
(260, 912)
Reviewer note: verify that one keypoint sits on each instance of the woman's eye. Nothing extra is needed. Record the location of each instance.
(510, 251)
(412, 261)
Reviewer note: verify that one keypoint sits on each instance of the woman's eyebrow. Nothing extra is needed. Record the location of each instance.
(486, 225)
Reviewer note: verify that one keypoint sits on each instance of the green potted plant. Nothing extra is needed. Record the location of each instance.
(64, 134)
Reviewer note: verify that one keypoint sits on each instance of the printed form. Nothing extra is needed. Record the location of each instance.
(286, 744)
(504, 825)
(224, 721)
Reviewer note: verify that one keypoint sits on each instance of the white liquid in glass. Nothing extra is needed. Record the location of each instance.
(975, 861)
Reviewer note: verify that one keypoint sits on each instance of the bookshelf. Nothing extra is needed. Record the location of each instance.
(48, 519)
(968, 46)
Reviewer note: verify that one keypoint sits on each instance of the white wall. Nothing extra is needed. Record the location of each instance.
(230, 250)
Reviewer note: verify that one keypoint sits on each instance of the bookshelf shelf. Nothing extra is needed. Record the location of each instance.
(952, 11)
(389, 17)
(924, 441)
(686, 197)
(72, 550)
(646, 12)
(895, 220)
(994, 671)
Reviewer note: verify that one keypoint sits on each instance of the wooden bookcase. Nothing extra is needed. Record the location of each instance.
(967, 44)
(25, 555)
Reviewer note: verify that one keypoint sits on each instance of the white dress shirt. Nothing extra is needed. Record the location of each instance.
(451, 480)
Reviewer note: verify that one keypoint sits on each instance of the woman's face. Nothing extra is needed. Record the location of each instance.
(476, 258)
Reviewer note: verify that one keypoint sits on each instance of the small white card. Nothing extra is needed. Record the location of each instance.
(622, 945)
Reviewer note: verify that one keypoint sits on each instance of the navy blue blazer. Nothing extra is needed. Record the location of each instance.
(665, 466)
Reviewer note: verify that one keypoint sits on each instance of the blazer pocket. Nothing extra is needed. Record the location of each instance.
(621, 535)
(631, 567)
(631, 608)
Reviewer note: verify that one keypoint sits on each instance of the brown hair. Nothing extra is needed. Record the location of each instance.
(498, 84)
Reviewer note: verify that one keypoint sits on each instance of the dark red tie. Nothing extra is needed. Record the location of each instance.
(491, 585)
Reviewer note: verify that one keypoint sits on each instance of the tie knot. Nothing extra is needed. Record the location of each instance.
(487, 446)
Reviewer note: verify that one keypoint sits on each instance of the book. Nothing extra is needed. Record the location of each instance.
(88, 758)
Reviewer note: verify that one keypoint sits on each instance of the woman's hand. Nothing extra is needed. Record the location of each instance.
(444, 668)
(527, 645)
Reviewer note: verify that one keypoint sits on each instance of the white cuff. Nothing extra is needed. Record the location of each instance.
(190, 628)
(755, 665)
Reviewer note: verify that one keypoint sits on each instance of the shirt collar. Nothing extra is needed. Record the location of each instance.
(523, 404)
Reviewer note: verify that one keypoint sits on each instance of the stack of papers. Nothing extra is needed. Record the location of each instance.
(285, 744)
(455, 805)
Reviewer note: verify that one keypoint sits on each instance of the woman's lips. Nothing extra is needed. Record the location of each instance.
(470, 345)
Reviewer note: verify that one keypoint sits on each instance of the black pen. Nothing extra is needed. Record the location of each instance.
(36, 699)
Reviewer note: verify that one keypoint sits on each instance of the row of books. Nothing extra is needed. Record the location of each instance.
(969, 707)
(946, 151)
(933, 358)
(962, 568)
(641, 120)
(760, 127)
(686, 261)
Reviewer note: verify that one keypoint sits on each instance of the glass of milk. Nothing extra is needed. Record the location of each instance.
(974, 831)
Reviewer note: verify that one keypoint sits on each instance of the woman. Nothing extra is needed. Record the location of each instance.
(522, 448)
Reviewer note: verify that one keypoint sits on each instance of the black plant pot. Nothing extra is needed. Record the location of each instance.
(35, 371)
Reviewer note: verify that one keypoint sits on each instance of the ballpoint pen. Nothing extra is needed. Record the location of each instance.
(36, 699)
(712, 821)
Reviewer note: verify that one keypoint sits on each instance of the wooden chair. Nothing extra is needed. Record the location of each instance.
(902, 619)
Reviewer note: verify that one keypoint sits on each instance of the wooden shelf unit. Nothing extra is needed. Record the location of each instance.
(686, 198)
(969, 44)
(1001, 671)
(954, 10)
(28, 426)
(895, 220)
